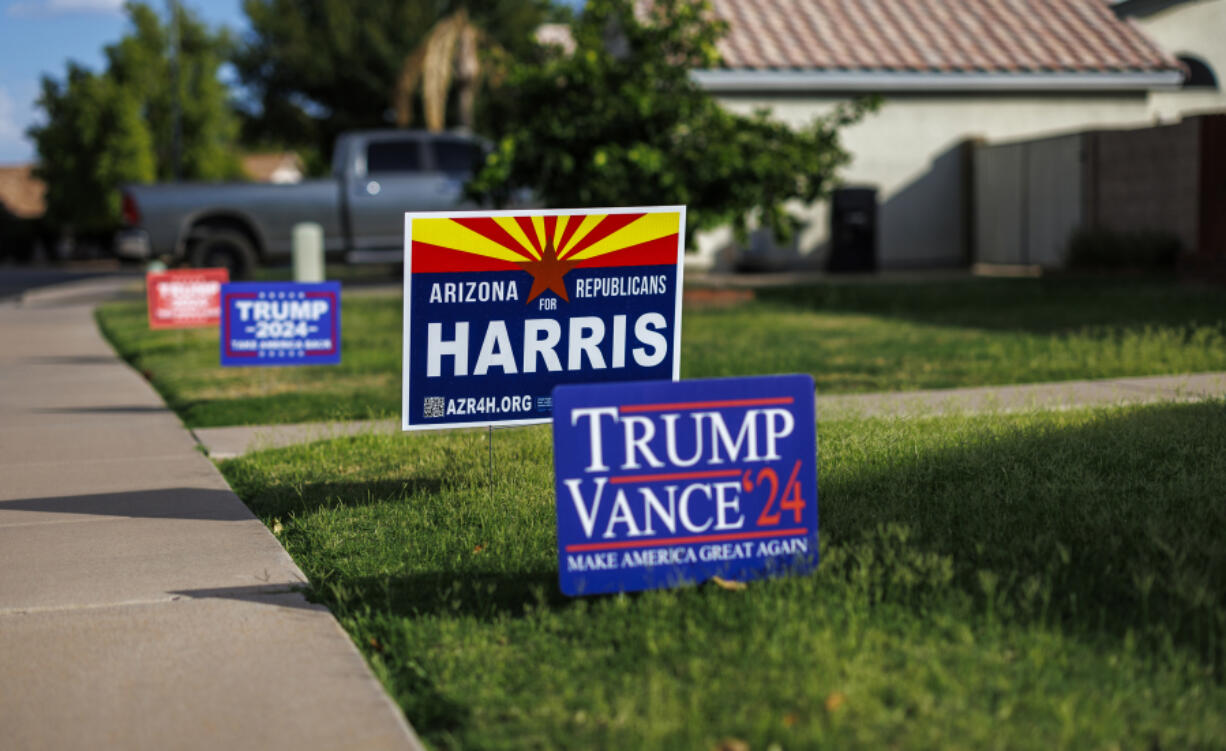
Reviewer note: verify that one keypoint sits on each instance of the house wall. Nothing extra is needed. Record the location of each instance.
(911, 150)
(1196, 27)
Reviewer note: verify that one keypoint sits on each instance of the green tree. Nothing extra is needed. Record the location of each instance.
(620, 122)
(166, 76)
(94, 140)
(315, 68)
(106, 129)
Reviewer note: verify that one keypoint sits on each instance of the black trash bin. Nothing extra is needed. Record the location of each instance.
(853, 230)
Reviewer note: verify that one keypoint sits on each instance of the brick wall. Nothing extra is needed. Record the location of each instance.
(1147, 179)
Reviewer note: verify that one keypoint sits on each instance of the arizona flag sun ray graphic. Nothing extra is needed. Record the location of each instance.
(501, 306)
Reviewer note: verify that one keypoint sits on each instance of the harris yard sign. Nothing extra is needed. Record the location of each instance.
(502, 306)
(659, 484)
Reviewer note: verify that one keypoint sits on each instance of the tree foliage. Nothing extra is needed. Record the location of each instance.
(106, 129)
(95, 139)
(455, 51)
(620, 122)
(142, 63)
(320, 67)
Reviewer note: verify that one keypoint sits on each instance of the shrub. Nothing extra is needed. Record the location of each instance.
(1103, 249)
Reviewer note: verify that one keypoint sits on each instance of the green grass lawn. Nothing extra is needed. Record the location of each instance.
(1051, 580)
(851, 338)
(183, 364)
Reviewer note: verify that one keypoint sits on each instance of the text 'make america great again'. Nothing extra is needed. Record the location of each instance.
(664, 483)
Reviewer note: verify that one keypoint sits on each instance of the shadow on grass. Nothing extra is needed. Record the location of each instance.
(486, 596)
(1106, 528)
(282, 408)
(283, 501)
(1042, 306)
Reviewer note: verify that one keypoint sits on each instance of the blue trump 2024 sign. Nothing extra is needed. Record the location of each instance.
(281, 323)
(663, 483)
(501, 306)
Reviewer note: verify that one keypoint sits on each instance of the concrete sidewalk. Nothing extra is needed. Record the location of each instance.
(142, 605)
(229, 442)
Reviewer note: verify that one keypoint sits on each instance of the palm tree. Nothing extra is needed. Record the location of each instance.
(450, 53)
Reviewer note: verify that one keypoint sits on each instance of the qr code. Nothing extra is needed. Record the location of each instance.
(434, 406)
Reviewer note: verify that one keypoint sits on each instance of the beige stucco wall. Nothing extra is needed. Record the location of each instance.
(1196, 28)
(908, 149)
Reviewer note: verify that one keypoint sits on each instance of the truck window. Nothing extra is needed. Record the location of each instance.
(393, 156)
(455, 156)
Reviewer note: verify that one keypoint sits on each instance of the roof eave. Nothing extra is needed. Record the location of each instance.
(757, 81)
(1142, 8)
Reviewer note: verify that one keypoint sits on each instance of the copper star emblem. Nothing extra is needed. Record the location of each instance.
(547, 273)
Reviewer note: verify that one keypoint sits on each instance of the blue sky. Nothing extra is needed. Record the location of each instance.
(40, 36)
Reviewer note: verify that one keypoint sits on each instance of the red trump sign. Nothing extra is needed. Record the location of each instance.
(184, 298)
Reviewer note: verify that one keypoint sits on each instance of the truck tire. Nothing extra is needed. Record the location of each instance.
(224, 248)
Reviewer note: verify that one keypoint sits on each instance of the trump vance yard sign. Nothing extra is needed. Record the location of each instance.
(659, 484)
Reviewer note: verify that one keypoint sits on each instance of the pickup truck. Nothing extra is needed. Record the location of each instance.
(376, 177)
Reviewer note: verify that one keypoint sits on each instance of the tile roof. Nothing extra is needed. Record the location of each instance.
(273, 167)
(21, 192)
(935, 36)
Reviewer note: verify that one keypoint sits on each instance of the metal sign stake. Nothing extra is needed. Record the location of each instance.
(491, 443)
